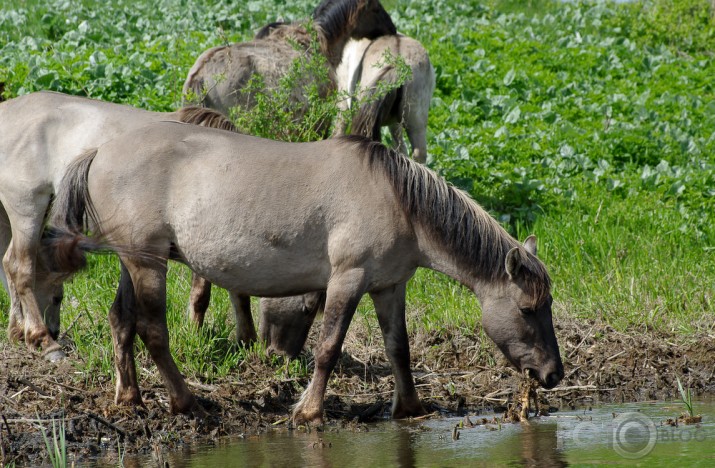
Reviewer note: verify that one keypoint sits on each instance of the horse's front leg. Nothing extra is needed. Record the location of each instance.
(245, 329)
(390, 309)
(343, 295)
(150, 289)
(199, 299)
(123, 323)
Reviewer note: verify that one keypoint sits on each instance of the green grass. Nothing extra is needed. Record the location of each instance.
(590, 124)
(56, 446)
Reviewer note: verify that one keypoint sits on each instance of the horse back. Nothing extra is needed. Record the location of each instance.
(295, 208)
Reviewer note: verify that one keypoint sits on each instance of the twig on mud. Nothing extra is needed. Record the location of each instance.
(426, 416)
(583, 340)
(2, 450)
(201, 386)
(34, 420)
(616, 355)
(69, 329)
(280, 421)
(68, 387)
(34, 387)
(573, 371)
(13, 403)
(445, 374)
(103, 421)
(573, 387)
(19, 392)
(7, 426)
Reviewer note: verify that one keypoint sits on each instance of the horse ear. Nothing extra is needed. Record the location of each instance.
(513, 262)
(530, 244)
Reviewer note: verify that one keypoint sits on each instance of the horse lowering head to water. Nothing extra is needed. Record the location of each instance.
(220, 74)
(41, 134)
(264, 218)
(286, 321)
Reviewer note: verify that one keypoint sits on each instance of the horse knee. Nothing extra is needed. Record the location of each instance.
(19, 270)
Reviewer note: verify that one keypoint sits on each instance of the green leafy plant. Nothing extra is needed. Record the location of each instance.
(279, 113)
(686, 397)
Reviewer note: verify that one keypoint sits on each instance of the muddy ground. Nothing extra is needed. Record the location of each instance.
(455, 374)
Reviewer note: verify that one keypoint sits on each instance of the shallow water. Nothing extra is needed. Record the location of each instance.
(608, 434)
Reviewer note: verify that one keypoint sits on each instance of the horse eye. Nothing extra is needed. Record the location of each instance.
(526, 310)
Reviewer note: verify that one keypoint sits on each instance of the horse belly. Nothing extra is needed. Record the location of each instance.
(259, 269)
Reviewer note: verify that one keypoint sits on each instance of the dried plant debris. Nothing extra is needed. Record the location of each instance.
(455, 371)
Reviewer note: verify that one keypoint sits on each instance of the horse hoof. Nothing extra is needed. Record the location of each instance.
(56, 355)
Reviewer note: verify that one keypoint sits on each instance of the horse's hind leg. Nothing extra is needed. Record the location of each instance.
(343, 295)
(390, 308)
(199, 299)
(20, 265)
(16, 328)
(245, 329)
(415, 122)
(150, 289)
(123, 322)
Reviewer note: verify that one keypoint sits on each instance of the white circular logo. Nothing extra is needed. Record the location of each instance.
(634, 435)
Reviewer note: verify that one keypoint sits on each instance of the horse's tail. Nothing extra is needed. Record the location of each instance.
(377, 105)
(71, 214)
(205, 117)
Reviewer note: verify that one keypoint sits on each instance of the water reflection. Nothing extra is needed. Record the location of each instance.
(569, 437)
(539, 446)
(405, 456)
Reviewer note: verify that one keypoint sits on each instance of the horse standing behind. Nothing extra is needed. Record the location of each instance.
(220, 74)
(363, 73)
(41, 135)
(361, 76)
(266, 218)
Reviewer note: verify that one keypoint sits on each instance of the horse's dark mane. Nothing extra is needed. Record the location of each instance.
(205, 117)
(475, 239)
(266, 30)
(334, 17)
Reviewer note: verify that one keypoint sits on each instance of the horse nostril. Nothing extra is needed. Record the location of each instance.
(553, 379)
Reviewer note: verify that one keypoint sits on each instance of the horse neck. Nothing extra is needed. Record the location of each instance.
(435, 255)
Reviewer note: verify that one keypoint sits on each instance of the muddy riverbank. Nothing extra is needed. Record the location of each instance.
(455, 374)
